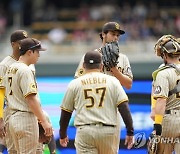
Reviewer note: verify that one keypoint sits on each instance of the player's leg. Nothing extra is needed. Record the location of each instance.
(8, 138)
(105, 139)
(25, 128)
(84, 140)
(52, 145)
(39, 149)
(177, 146)
(117, 135)
(165, 148)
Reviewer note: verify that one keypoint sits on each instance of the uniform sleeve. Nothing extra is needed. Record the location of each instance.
(68, 100)
(80, 70)
(28, 83)
(127, 68)
(2, 88)
(161, 86)
(3, 70)
(121, 95)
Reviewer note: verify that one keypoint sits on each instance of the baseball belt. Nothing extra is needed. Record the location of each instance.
(98, 124)
(175, 112)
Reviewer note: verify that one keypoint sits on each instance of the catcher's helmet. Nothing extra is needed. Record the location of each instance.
(167, 43)
(111, 26)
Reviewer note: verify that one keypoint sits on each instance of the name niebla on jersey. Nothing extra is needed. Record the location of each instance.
(94, 80)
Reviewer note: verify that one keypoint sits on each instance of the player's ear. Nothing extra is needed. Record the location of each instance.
(101, 67)
(29, 52)
(12, 44)
(84, 66)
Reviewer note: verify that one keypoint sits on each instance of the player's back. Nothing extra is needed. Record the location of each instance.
(96, 96)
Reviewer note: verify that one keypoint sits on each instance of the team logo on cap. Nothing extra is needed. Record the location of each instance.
(25, 34)
(117, 26)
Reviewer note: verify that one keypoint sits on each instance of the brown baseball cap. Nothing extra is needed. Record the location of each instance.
(92, 57)
(111, 26)
(30, 44)
(18, 35)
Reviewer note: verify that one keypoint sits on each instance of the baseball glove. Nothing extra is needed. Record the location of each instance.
(153, 143)
(110, 54)
(42, 137)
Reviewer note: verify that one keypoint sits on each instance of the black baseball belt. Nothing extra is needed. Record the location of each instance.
(172, 111)
(98, 124)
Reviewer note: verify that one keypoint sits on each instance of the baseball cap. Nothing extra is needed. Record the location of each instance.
(30, 44)
(92, 57)
(18, 35)
(112, 26)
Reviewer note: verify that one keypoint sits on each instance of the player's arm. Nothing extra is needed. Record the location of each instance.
(153, 103)
(127, 118)
(159, 112)
(35, 107)
(63, 123)
(125, 80)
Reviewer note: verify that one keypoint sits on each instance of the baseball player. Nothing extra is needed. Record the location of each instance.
(111, 32)
(95, 97)
(166, 93)
(23, 103)
(16, 36)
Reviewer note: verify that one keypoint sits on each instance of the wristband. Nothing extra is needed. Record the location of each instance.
(158, 129)
(158, 118)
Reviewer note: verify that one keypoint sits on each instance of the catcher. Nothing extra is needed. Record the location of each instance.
(166, 107)
(115, 64)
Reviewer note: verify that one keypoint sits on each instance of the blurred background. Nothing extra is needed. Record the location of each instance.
(69, 28)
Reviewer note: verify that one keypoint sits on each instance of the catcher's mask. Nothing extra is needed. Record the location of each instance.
(111, 26)
(168, 44)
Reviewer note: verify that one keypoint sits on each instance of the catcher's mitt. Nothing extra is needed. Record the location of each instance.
(42, 137)
(153, 143)
(110, 54)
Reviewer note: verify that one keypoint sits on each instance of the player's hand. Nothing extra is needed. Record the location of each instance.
(63, 142)
(129, 141)
(2, 128)
(152, 115)
(47, 128)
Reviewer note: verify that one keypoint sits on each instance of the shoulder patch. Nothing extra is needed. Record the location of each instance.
(157, 90)
(81, 72)
(33, 86)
